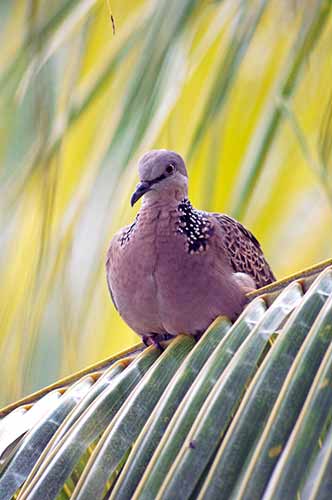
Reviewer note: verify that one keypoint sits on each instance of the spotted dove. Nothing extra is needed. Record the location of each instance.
(176, 268)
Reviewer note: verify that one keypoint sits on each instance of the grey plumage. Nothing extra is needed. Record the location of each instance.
(175, 268)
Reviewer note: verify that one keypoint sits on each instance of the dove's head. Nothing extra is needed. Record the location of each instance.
(163, 176)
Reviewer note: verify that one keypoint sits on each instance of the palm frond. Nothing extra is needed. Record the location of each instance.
(233, 414)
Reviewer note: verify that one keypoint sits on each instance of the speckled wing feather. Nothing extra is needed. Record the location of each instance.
(244, 251)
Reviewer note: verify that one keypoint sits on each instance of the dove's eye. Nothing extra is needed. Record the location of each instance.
(170, 168)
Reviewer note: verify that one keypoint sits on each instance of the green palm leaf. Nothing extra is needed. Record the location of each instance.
(249, 400)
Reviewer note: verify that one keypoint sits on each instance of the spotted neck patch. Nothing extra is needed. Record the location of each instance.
(125, 236)
(194, 226)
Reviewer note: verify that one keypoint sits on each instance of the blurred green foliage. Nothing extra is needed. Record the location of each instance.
(241, 88)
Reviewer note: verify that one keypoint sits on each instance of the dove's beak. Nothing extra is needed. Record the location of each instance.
(141, 188)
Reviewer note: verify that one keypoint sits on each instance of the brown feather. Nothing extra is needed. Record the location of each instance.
(244, 251)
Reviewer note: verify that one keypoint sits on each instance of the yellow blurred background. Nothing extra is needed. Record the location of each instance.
(241, 88)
